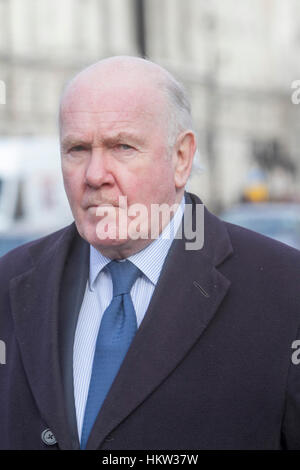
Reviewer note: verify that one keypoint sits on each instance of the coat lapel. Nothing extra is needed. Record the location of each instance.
(188, 294)
(34, 299)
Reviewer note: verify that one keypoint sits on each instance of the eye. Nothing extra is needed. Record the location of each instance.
(124, 146)
(77, 148)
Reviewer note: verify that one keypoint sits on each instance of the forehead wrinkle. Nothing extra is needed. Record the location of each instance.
(143, 113)
(83, 127)
(122, 116)
(105, 121)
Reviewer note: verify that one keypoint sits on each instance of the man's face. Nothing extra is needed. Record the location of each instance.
(114, 143)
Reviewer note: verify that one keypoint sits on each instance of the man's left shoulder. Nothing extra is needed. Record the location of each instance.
(263, 264)
(31, 253)
(224, 241)
(253, 245)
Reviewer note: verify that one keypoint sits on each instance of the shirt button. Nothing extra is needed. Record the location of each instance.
(48, 437)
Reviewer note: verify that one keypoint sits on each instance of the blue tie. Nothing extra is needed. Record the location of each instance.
(117, 329)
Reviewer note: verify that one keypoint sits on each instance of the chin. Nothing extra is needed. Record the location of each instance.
(114, 249)
(98, 239)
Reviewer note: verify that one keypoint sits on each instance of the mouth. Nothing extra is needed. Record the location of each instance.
(102, 204)
(100, 210)
(119, 202)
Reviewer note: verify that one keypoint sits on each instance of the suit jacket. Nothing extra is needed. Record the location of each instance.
(209, 368)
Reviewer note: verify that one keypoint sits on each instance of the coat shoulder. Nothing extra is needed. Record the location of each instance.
(23, 257)
(253, 249)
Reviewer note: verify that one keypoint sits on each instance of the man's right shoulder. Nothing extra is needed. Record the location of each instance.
(23, 258)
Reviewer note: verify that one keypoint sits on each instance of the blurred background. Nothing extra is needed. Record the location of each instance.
(239, 61)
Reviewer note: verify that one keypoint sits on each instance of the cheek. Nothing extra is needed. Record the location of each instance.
(155, 185)
(72, 186)
(160, 176)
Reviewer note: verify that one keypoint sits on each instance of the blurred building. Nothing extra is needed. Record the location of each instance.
(238, 61)
(43, 43)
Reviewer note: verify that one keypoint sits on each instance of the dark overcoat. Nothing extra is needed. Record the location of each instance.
(209, 368)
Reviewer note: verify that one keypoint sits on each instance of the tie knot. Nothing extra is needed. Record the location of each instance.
(123, 275)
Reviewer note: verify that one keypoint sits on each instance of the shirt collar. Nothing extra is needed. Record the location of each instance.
(149, 260)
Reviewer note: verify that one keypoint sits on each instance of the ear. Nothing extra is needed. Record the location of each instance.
(185, 148)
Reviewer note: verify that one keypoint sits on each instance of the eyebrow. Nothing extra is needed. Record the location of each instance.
(121, 136)
(72, 140)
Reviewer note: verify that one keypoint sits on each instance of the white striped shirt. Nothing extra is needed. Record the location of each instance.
(98, 295)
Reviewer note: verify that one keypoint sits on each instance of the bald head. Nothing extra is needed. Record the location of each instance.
(140, 76)
(121, 67)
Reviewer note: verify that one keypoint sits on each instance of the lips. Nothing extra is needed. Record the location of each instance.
(100, 204)
(120, 202)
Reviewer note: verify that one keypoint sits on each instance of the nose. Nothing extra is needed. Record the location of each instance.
(99, 171)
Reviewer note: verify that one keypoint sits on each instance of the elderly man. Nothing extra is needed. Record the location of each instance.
(119, 339)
